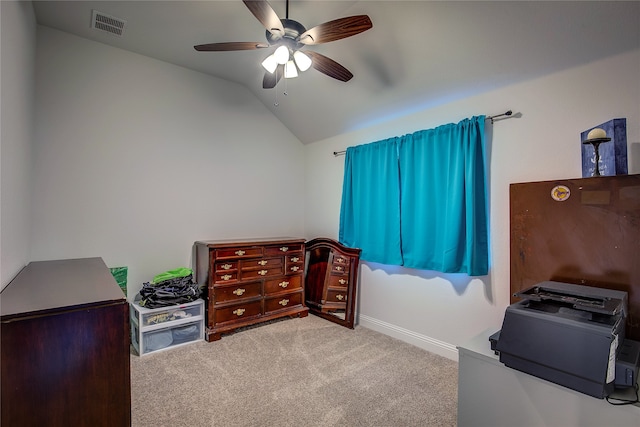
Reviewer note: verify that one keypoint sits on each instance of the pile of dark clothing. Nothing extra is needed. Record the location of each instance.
(172, 287)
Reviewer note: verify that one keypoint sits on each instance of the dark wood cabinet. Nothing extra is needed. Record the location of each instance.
(250, 281)
(65, 346)
(331, 280)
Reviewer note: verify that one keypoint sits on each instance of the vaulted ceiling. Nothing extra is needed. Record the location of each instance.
(418, 54)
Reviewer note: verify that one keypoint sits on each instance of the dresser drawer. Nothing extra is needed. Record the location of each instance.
(282, 284)
(294, 259)
(252, 264)
(341, 269)
(282, 249)
(340, 260)
(225, 266)
(260, 273)
(336, 295)
(338, 281)
(237, 292)
(238, 311)
(240, 252)
(281, 302)
(294, 268)
(225, 276)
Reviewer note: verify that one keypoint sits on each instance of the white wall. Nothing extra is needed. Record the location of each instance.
(18, 51)
(135, 159)
(439, 311)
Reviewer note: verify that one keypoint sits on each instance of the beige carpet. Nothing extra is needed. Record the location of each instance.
(295, 372)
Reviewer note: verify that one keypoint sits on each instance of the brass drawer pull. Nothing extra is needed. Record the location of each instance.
(226, 266)
(340, 297)
(226, 277)
(284, 302)
(342, 282)
(283, 284)
(338, 268)
(239, 291)
(295, 259)
(239, 312)
(263, 272)
(262, 262)
(240, 252)
(295, 268)
(284, 249)
(341, 260)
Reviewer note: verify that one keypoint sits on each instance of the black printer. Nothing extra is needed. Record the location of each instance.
(571, 335)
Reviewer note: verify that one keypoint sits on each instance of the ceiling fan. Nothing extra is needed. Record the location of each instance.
(290, 36)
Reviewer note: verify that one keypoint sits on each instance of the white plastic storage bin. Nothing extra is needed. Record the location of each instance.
(162, 328)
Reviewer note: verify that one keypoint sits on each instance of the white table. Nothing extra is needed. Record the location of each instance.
(491, 394)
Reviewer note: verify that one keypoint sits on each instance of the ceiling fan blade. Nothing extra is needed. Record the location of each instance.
(270, 80)
(222, 47)
(328, 66)
(336, 30)
(266, 15)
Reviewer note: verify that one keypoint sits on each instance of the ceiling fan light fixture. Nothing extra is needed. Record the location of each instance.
(290, 70)
(286, 36)
(302, 61)
(281, 54)
(270, 63)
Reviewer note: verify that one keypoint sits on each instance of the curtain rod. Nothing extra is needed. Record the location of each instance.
(506, 113)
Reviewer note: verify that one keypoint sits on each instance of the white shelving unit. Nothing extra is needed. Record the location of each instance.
(163, 328)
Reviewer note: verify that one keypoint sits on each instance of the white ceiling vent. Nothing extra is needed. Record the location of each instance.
(110, 24)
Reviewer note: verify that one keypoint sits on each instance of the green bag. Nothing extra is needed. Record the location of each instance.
(172, 274)
(120, 274)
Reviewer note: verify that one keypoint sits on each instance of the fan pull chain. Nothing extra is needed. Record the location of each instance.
(276, 90)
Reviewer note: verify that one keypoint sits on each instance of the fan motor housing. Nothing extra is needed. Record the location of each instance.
(292, 30)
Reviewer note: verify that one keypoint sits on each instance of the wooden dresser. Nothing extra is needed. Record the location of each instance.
(250, 281)
(65, 346)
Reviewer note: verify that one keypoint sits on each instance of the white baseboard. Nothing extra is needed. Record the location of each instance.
(424, 342)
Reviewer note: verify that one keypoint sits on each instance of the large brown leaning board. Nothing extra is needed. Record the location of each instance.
(583, 231)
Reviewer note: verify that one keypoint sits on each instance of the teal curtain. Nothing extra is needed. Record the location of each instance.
(444, 200)
(371, 202)
(437, 205)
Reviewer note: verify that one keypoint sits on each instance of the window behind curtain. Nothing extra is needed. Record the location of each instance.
(370, 213)
(420, 200)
